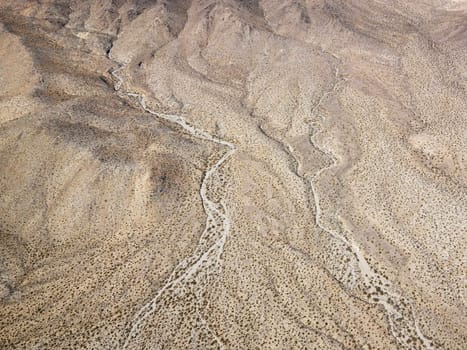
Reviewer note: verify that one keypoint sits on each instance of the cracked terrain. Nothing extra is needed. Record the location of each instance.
(228, 174)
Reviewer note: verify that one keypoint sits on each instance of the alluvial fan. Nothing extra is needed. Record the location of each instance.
(229, 174)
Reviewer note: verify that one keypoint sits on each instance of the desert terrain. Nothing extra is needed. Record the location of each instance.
(228, 174)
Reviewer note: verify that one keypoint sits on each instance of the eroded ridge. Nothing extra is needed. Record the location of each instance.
(193, 274)
(400, 314)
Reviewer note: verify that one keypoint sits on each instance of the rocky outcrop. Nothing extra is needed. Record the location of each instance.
(232, 174)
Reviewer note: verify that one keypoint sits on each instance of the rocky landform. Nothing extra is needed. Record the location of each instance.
(272, 174)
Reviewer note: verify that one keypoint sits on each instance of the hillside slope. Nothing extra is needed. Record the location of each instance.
(280, 174)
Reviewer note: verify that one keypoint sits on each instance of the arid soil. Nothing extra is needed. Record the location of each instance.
(257, 174)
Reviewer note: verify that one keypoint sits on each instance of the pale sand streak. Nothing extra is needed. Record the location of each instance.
(369, 275)
(203, 257)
